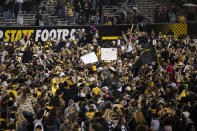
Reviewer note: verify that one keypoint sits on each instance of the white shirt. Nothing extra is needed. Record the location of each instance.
(20, 20)
(4, 84)
(187, 67)
(122, 48)
(129, 48)
(3, 57)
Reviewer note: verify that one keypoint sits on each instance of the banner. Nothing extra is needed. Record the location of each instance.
(40, 34)
(89, 58)
(14, 34)
(147, 57)
(108, 53)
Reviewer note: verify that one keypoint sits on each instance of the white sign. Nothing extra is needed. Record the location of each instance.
(89, 58)
(108, 53)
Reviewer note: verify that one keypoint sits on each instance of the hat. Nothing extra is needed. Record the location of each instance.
(100, 101)
(186, 114)
(44, 87)
(93, 68)
(180, 64)
(36, 55)
(162, 101)
(96, 90)
(173, 85)
(62, 74)
(20, 54)
(100, 68)
(14, 85)
(49, 107)
(130, 65)
(92, 79)
(94, 106)
(105, 87)
(128, 88)
(82, 95)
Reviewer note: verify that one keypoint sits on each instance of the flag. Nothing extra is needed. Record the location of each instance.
(132, 28)
(183, 94)
(147, 57)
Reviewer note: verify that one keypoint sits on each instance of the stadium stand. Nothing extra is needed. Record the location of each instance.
(57, 12)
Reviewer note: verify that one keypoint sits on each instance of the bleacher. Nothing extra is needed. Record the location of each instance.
(144, 7)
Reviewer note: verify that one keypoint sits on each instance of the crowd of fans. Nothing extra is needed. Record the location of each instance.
(82, 12)
(91, 12)
(78, 12)
(165, 15)
(46, 86)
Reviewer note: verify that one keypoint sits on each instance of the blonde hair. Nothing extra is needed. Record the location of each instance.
(108, 115)
(72, 109)
(139, 117)
(20, 119)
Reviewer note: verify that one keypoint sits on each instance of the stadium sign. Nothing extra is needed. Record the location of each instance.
(37, 34)
(11, 34)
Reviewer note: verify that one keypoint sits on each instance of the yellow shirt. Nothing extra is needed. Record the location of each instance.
(53, 89)
(90, 115)
(70, 12)
(13, 92)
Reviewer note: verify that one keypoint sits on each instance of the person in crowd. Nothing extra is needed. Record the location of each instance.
(157, 14)
(172, 16)
(71, 15)
(20, 20)
(21, 123)
(58, 8)
(38, 18)
(62, 4)
(46, 20)
(11, 5)
(52, 121)
(20, 5)
(5, 9)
